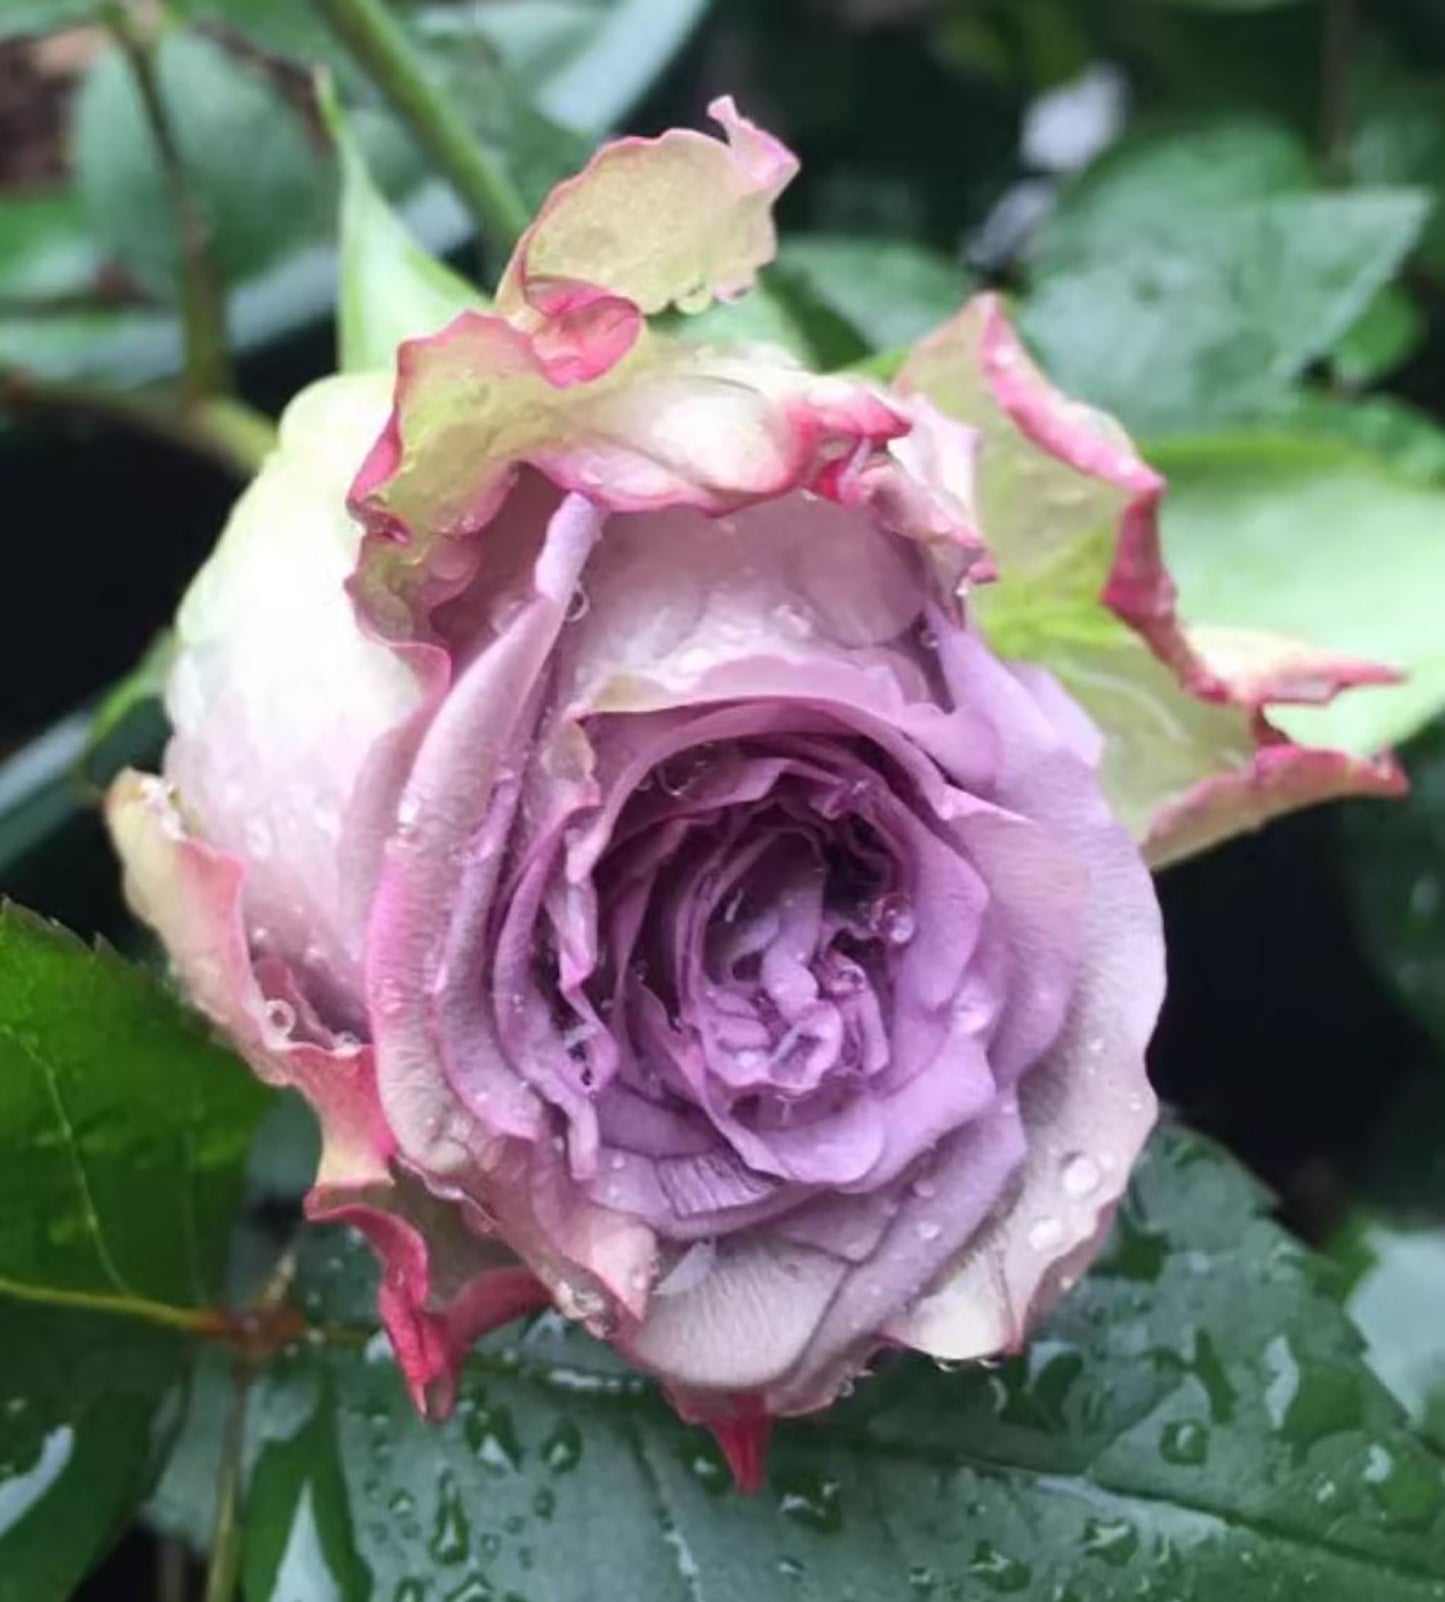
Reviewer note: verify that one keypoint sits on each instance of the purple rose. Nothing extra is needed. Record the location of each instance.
(616, 827)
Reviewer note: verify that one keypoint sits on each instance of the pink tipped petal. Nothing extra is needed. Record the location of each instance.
(744, 1443)
(1280, 777)
(1258, 668)
(432, 1327)
(191, 895)
(1054, 476)
(1070, 513)
(672, 221)
(668, 425)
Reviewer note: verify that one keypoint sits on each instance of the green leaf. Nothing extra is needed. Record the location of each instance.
(21, 17)
(45, 252)
(1385, 335)
(1323, 541)
(1196, 1422)
(1218, 317)
(890, 292)
(1148, 182)
(1397, 1291)
(122, 1128)
(257, 178)
(85, 1406)
(1399, 138)
(1394, 865)
(391, 289)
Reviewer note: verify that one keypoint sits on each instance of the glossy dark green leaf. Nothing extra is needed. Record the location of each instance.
(1394, 863)
(122, 1127)
(1217, 317)
(1195, 1422)
(261, 183)
(86, 1404)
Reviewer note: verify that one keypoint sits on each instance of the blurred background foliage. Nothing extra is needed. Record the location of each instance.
(1224, 220)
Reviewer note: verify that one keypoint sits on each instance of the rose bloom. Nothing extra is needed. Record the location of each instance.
(590, 787)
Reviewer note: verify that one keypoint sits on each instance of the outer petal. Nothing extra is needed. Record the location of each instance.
(269, 651)
(1189, 756)
(1087, 1108)
(669, 424)
(660, 222)
(442, 1286)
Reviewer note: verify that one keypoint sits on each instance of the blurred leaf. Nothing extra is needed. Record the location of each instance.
(21, 17)
(1195, 1422)
(1383, 425)
(1217, 316)
(1225, 5)
(123, 346)
(45, 252)
(1385, 335)
(391, 289)
(609, 69)
(1149, 182)
(1394, 865)
(766, 315)
(259, 181)
(890, 292)
(1395, 1299)
(123, 1127)
(1399, 138)
(1317, 539)
(182, 1504)
(85, 1405)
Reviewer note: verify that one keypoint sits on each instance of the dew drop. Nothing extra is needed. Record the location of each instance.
(451, 1535)
(998, 1570)
(1113, 1540)
(1044, 1233)
(562, 1450)
(1185, 1442)
(1080, 1176)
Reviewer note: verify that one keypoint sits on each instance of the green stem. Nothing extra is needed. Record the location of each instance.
(225, 1564)
(380, 46)
(203, 308)
(221, 428)
(192, 1320)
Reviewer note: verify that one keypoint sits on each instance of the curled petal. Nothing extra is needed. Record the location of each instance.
(1278, 777)
(669, 424)
(671, 221)
(1070, 513)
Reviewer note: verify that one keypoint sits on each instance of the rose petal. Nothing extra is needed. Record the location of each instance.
(674, 220)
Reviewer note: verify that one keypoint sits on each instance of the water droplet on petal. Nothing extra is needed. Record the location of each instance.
(1080, 1176)
(1044, 1233)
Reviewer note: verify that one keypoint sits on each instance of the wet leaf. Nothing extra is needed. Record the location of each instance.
(1324, 541)
(122, 1127)
(1195, 1422)
(85, 1407)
